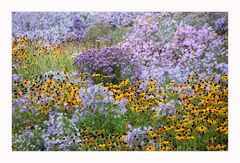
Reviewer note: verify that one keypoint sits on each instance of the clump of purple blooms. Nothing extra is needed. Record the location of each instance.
(112, 61)
(98, 99)
(188, 48)
(56, 27)
(60, 133)
(138, 137)
(221, 25)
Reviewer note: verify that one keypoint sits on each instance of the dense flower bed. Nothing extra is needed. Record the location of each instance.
(119, 81)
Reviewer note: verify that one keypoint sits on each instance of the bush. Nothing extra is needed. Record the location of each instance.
(111, 61)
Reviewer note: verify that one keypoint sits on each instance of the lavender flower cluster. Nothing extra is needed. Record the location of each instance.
(188, 48)
(53, 27)
(138, 137)
(112, 61)
(56, 27)
(98, 99)
(60, 133)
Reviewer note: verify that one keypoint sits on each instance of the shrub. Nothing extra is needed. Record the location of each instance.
(110, 61)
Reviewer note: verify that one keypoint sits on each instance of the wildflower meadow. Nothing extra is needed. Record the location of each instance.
(119, 81)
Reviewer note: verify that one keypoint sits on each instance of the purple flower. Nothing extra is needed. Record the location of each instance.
(113, 61)
(15, 77)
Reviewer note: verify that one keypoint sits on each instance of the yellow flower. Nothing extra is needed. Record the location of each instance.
(107, 76)
(25, 83)
(225, 78)
(201, 129)
(165, 148)
(210, 147)
(190, 137)
(179, 138)
(50, 82)
(220, 147)
(64, 72)
(102, 145)
(135, 109)
(100, 132)
(119, 97)
(165, 142)
(159, 17)
(171, 83)
(152, 135)
(124, 137)
(126, 81)
(150, 148)
(149, 19)
(96, 75)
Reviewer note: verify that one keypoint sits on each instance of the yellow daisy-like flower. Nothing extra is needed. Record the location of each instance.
(25, 83)
(50, 81)
(201, 129)
(150, 148)
(96, 75)
(102, 146)
(165, 142)
(159, 17)
(179, 138)
(149, 19)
